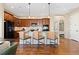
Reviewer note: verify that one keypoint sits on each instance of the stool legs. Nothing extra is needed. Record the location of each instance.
(37, 44)
(54, 43)
(23, 43)
(30, 42)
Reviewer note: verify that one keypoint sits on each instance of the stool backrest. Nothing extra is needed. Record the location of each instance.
(36, 34)
(51, 35)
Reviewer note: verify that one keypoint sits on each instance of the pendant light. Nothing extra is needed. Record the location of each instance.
(48, 10)
(29, 9)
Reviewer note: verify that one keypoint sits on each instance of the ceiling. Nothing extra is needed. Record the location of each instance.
(39, 9)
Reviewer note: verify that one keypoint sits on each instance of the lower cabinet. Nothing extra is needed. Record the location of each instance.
(16, 36)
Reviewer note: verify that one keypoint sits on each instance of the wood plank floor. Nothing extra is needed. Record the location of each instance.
(66, 47)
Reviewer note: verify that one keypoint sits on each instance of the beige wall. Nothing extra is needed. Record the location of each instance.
(1, 22)
(72, 25)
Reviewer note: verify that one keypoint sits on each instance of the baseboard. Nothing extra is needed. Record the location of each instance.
(74, 40)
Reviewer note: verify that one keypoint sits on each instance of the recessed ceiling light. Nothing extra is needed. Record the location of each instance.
(12, 7)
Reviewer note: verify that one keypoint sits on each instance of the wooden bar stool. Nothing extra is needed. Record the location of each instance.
(37, 35)
(52, 37)
(25, 39)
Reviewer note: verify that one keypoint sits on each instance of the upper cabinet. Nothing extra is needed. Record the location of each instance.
(40, 22)
(45, 21)
(22, 23)
(25, 22)
(29, 22)
(8, 17)
(16, 22)
(33, 21)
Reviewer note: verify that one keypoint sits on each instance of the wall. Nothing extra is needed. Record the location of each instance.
(73, 23)
(1, 22)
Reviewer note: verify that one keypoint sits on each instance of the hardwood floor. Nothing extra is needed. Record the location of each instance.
(66, 47)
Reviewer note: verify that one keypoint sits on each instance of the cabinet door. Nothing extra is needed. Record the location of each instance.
(15, 22)
(33, 21)
(44, 21)
(28, 23)
(47, 21)
(40, 22)
(8, 17)
(24, 23)
(20, 23)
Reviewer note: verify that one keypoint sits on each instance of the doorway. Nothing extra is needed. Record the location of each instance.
(61, 28)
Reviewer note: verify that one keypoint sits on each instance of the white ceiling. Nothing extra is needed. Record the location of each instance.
(63, 8)
(39, 9)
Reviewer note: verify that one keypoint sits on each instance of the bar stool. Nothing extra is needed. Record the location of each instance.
(37, 35)
(26, 37)
(52, 37)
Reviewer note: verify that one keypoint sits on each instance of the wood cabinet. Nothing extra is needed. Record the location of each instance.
(8, 17)
(17, 23)
(45, 21)
(33, 21)
(28, 22)
(25, 23)
(40, 22)
(22, 23)
(5, 16)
